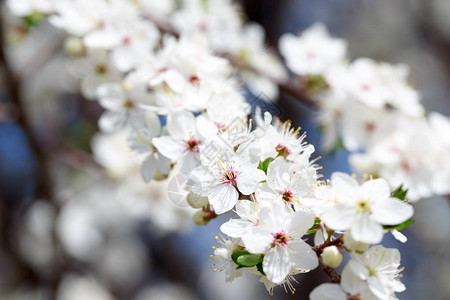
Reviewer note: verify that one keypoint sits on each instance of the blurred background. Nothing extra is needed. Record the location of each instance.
(69, 231)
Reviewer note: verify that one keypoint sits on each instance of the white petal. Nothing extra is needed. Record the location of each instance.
(351, 281)
(377, 288)
(248, 180)
(276, 264)
(223, 197)
(392, 211)
(399, 236)
(199, 181)
(302, 257)
(338, 217)
(375, 190)
(366, 230)
(299, 222)
(257, 240)
(189, 162)
(236, 227)
(169, 147)
(328, 291)
(148, 168)
(181, 124)
(358, 270)
(112, 121)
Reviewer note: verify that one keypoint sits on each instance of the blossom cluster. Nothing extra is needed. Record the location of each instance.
(163, 73)
(371, 109)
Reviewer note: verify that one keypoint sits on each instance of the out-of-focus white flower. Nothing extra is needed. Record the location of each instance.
(313, 52)
(112, 152)
(147, 127)
(24, 8)
(75, 287)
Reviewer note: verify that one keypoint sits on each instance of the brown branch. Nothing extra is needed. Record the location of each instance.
(13, 87)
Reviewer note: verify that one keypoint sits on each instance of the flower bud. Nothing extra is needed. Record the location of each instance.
(353, 245)
(196, 201)
(203, 216)
(74, 47)
(332, 257)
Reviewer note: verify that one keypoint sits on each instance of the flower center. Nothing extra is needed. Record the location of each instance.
(283, 150)
(363, 206)
(354, 297)
(128, 103)
(126, 40)
(229, 177)
(280, 239)
(101, 69)
(194, 80)
(192, 145)
(287, 195)
(221, 127)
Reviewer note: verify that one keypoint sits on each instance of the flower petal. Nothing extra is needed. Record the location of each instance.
(223, 197)
(328, 291)
(276, 264)
(366, 230)
(302, 257)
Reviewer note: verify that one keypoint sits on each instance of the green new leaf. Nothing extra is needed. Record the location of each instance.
(237, 253)
(315, 226)
(399, 226)
(338, 146)
(263, 165)
(249, 260)
(260, 268)
(400, 193)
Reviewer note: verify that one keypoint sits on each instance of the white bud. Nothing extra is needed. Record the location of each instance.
(201, 217)
(353, 245)
(222, 254)
(196, 201)
(74, 47)
(332, 257)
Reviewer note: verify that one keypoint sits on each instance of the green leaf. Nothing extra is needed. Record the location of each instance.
(399, 226)
(249, 260)
(32, 20)
(237, 253)
(338, 146)
(315, 84)
(315, 226)
(260, 268)
(265, 164)
(400, 193)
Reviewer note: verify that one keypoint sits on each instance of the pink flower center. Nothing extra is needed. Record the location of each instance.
(283, 150)
(229, 177)
(311, 55)
(192, 145)
(221, 127)
(287, 195)
(194, 80)
(126, 40)
(354, 297)
(365, 87)
(280, 239)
